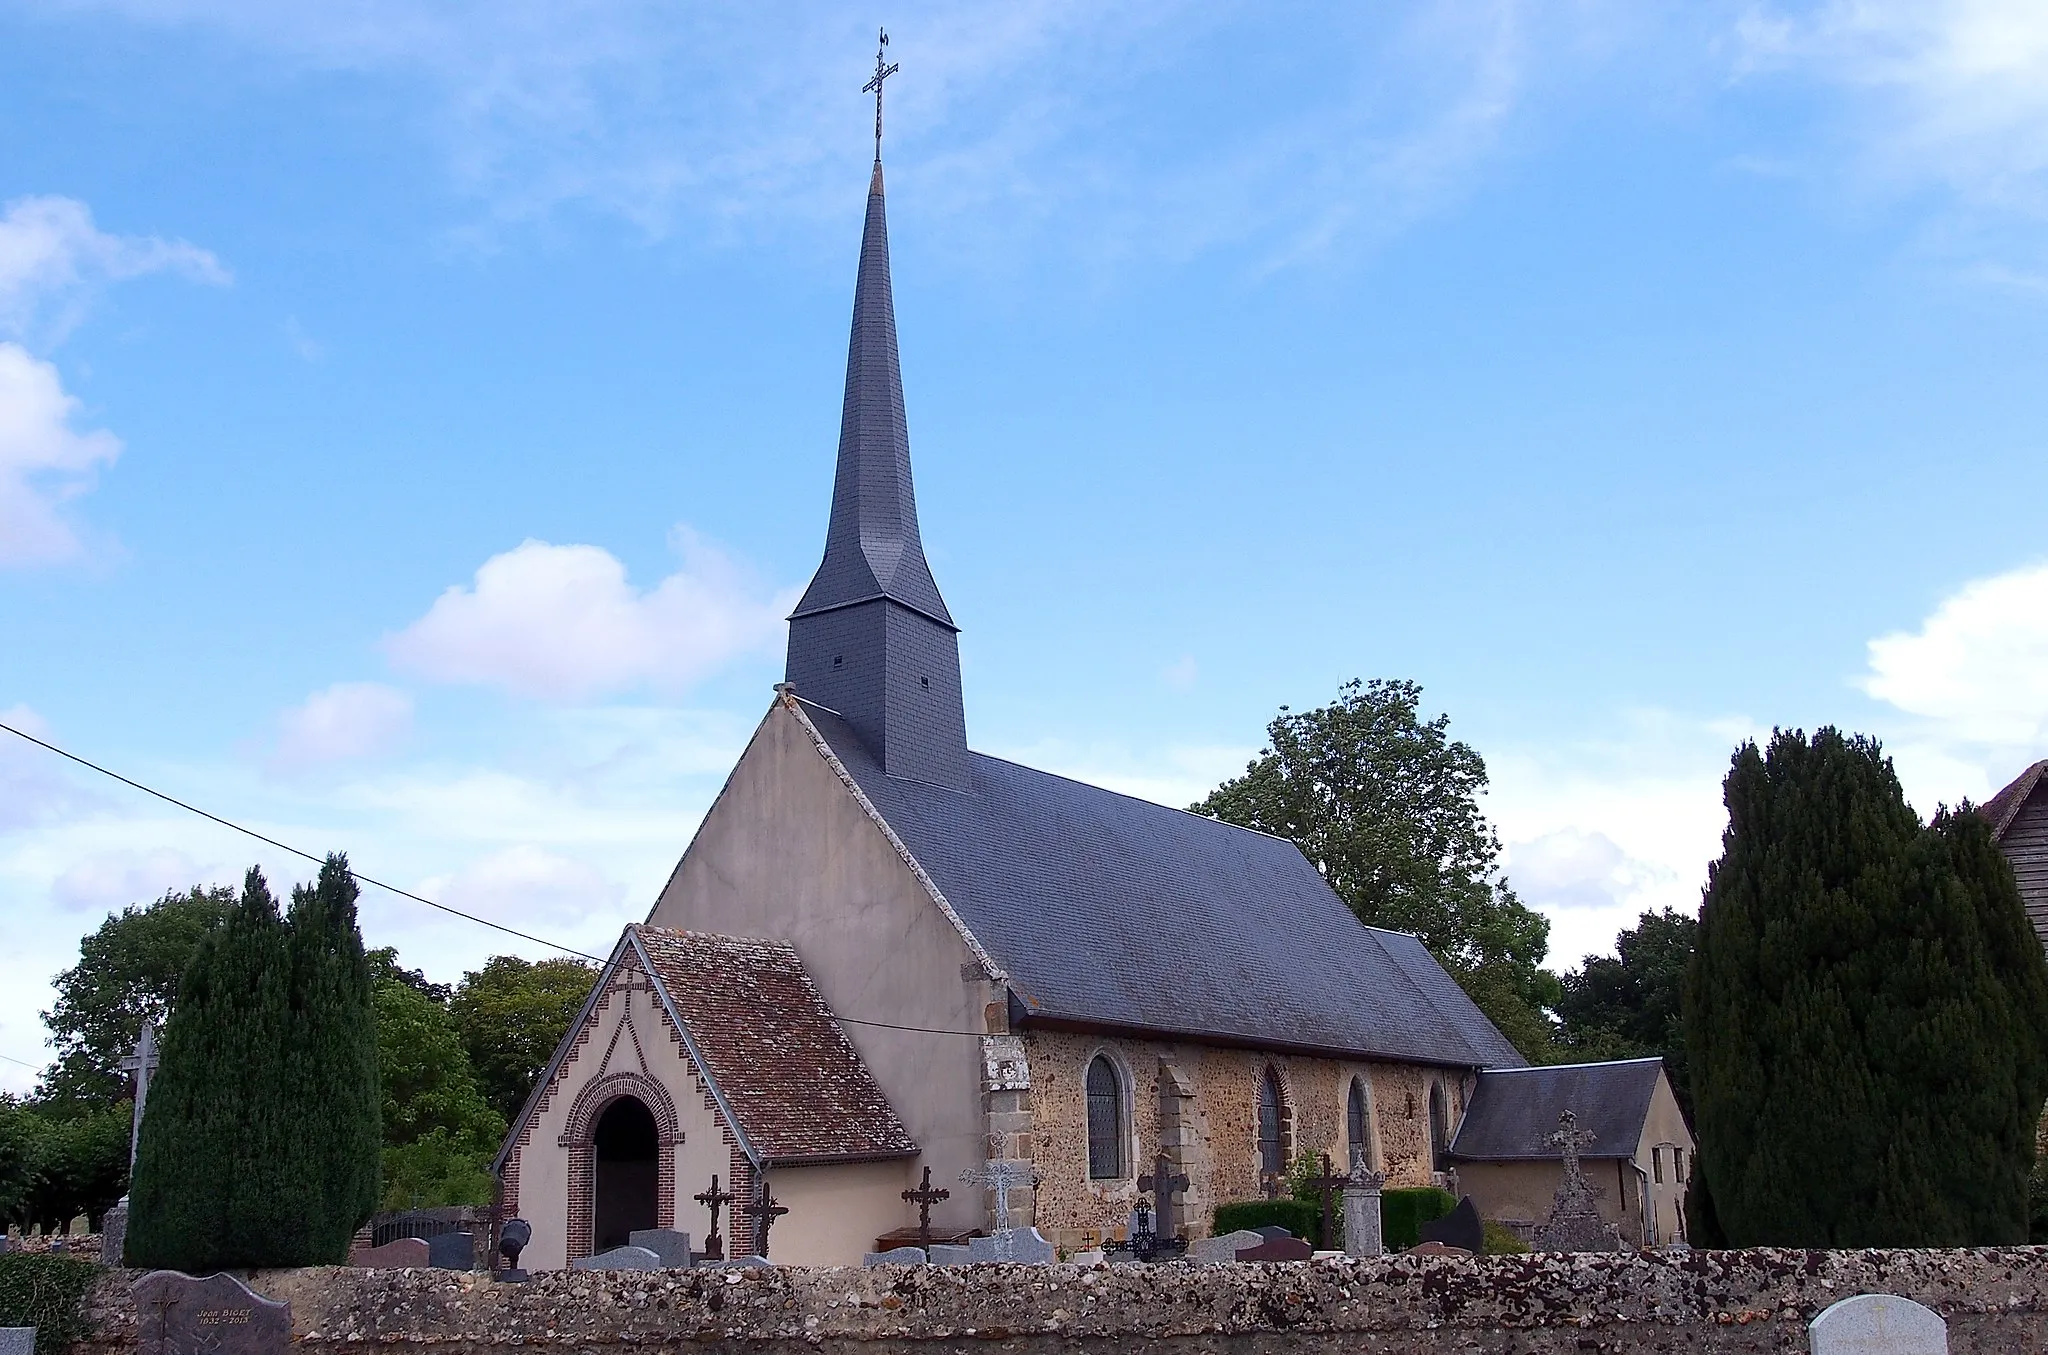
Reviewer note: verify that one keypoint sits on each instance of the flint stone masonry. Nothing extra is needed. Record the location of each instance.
(1543, 1304)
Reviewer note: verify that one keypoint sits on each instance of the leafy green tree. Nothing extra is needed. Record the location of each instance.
(1627, 1006)
(512, 1013)
(77, 1164)
(332, 1076)
(439, 1133)
(1386, 805)
(127, 972)
(1866, 1012)
(217, 1185)
(18, 1133)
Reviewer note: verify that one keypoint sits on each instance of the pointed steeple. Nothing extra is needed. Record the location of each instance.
(871, 638)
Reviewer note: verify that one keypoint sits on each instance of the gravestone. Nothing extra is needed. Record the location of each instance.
(1460, 1228)
(17, 1341)
(744, 1263)
(1288, 1248)
(1878, 1324)
(1023, 1245)
(671, 1246)
(452, 1251)
(114, 1233)
(1273, 1231)
(1574, 1223)
(178, 1315)
(1094, 1256)
(896, 1256)
(619, 1258)
(1364, 1233)
(407, 1253)
(1224, 1247)
(946, 1255)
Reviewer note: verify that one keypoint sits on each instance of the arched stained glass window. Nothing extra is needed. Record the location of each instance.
(1105, 1120)
(1272, 1125)
(1358, 1124)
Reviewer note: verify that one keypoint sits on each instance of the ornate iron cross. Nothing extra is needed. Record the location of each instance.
(883, 70)
(764, 1211)
(714, 1199)
(1002, 1177)
(925, 1197)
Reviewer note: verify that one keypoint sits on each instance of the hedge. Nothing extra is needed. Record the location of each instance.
(46, 1292)
(1302, 1219)
(1403, 1212)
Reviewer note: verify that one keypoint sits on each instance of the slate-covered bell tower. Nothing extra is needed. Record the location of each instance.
(872, 638)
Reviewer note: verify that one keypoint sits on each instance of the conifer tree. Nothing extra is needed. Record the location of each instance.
(1866, 1012)
(334, 1062)
(212, 1134)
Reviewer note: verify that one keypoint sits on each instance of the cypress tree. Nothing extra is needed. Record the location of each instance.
(1865, 1012)
(211, 1126)
(334, 1062)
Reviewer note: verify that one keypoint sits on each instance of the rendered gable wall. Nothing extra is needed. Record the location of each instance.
(788, 851)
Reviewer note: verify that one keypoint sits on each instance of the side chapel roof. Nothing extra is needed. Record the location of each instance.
(1107, 910)
(1513, 1111)
(2004, 807)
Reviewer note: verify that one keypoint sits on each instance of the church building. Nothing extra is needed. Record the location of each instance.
(884, 953)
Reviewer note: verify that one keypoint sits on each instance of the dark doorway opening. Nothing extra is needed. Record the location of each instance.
(628, 1173)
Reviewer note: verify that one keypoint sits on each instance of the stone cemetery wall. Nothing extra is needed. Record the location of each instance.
(1748, 1301)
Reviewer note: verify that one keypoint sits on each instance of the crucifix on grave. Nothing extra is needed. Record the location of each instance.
(924, 1197)
(1330, 1185)
(143, 1064)
(714, 1199)
(763, 1211)
(163, 1303)
(1002, 1177)
(1162, 1184)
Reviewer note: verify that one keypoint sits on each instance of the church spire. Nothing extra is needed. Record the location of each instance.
(871, 637)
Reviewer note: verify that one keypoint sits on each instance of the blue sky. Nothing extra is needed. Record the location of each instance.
(414, 421)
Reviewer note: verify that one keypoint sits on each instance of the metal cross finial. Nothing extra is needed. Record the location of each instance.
(883, 70)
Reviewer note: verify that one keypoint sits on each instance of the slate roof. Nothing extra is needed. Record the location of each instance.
(2004, 807)
(1108, 910)
(1513, 1112)
(779, 1063)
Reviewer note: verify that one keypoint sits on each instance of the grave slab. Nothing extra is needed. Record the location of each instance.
(744, 1263)
(619, 1258)
(1878, 1324)
(452, 1251)
(896, 1256)
(944, 1254)
(1024, 1246)
(1460, 1228)
(1289, 1248)
(1224, 1247)
(671, 1246)
(405, 1253)
(220, 1315)
(17, 1341)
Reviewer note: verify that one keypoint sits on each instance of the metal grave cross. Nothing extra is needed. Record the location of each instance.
(925, 1197)
(764, 1211)
(1330, 1184)
(874, 87)
(714, 1199)
(143, 1064)
(1571, 1140)
(1002, 1177)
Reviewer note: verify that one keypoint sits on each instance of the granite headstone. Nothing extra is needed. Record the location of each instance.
(114, 1233)
(17, 1341)
(452, 1251)
(1288, 1248)
(219, 1315)
(1025, 1246)
(895, 1256)
(744, 1263)
(1225, 1246)
(671, 1246)
(1460, 1228)
(945, 1254)
(1364, 1224)
(1878, 1324)
(405, 1253)
(619, 1258)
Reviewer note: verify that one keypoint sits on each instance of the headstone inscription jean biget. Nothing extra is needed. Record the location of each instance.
(219, 1315)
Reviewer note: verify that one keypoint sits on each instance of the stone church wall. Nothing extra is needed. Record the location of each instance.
(1993, 1299)
(1200, 1103)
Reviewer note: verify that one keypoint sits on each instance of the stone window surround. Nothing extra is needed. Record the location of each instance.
(1124, 1186)
(1361, 1077)
(1284, 1084)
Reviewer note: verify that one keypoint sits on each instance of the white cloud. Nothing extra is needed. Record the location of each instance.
(52, 258)
(527, 884)
(43, 461)
(347, 720)
(563, 623)
(1954, 91)
(109, 881)
(1578, 868)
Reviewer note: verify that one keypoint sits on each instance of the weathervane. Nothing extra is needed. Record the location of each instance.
(883, 70)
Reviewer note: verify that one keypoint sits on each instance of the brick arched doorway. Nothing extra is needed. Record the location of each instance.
(621, 1136)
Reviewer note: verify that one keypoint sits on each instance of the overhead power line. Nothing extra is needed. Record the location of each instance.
(295, 851)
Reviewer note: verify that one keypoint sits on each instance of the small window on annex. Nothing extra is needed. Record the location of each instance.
(1358, 1125)
(1105, 1121)
(1272, 1125)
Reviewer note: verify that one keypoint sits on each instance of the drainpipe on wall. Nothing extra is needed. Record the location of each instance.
(1648, 1210)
